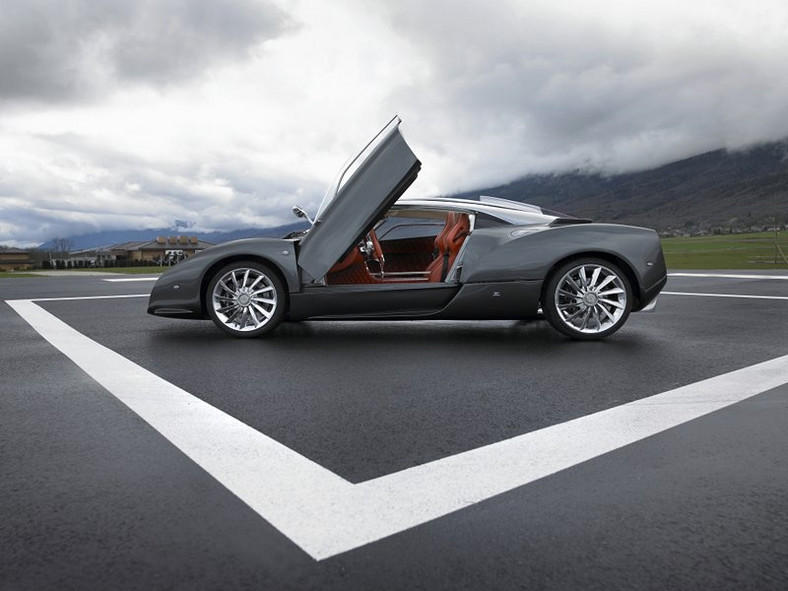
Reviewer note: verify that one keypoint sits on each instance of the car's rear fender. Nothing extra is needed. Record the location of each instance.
(505, 254)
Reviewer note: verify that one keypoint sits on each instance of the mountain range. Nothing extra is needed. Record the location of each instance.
(724, 190)
(110, 237)
(729, 190)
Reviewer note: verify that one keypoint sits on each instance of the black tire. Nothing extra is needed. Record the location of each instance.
(246, 299)
(587, 298)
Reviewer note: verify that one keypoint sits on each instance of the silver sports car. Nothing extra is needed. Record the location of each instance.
(372, 254)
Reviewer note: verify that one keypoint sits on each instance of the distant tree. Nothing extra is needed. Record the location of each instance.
(38, 257)
(62, 247)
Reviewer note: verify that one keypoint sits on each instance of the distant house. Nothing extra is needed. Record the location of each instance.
(90, 257)
(164, 250)
(14, 258)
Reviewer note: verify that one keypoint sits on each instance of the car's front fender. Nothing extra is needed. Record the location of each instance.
(178, 292)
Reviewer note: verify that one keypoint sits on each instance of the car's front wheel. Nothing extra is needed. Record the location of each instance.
(246, 299)
(587, 299)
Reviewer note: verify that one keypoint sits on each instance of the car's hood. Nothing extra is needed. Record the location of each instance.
(373, 181)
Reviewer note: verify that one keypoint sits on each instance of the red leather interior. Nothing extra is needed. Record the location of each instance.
(448, 244)
(352, 268)
(353, 256)
(408, 254)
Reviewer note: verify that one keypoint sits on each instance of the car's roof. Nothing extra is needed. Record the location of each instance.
(510, 211)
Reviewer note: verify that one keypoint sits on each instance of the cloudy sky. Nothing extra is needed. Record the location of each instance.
(131, 114)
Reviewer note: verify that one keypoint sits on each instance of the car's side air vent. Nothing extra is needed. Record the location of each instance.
(569, 221)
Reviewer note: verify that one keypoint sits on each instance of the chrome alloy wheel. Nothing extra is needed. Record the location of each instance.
(244, 299)
(591, 299)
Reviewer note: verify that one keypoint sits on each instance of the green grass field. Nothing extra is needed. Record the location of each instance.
(4, 274)
(728, 251)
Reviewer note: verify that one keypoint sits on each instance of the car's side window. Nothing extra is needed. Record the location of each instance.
(485, 221)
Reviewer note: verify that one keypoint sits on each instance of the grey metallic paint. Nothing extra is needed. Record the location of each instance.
(492, 254)
(492, 262)
(180, 291)
(379, 182)
(499, 273)
(407, 300)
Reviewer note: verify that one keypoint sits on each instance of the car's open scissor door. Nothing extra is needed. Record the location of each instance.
(365, 188)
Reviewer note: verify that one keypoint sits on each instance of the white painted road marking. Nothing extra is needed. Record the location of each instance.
(729, 276)
(104, 297)
(723, 295)
(130, 279)
(325, 514)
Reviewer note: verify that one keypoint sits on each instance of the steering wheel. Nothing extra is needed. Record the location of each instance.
(370, 248)
(376, 249)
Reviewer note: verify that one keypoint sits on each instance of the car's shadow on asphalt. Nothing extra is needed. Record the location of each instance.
(377, 336)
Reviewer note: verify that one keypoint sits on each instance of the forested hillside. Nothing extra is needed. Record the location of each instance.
(729, 190)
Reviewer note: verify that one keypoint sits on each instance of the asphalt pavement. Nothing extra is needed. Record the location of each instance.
(95, 494)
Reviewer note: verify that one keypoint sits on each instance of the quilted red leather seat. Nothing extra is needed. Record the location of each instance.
(447, 245)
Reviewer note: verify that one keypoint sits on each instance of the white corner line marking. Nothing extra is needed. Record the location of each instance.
(131, 279)
(77, 298)
(723, 295)
(325, 514)
(729, 276)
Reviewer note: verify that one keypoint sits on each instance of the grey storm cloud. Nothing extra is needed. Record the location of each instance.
(55, 51)
(119, 113)
(219, 192)
(570, 88)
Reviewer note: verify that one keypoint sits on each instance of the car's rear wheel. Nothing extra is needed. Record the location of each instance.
(246, 299)
(587, 299)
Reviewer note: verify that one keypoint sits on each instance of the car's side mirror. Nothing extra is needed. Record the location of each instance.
(300, 213)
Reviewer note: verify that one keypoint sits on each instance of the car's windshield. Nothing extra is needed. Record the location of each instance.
(354, 163)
